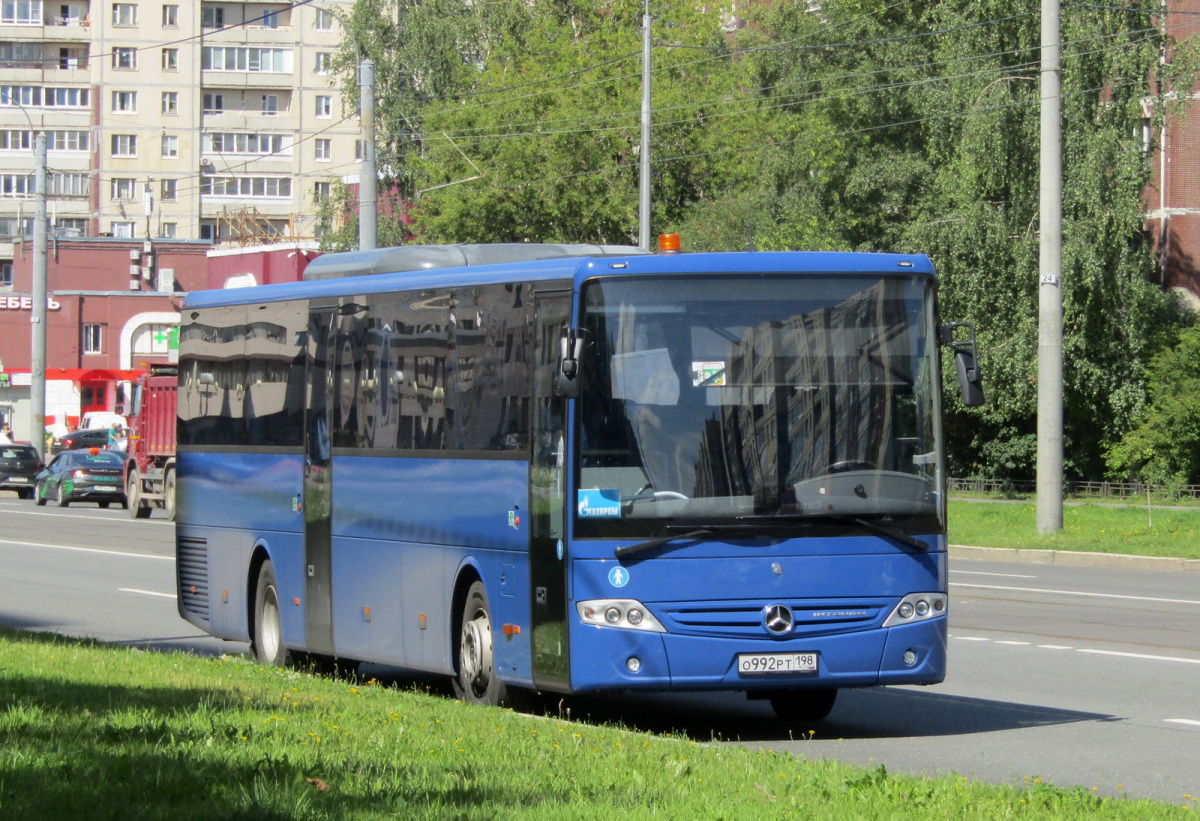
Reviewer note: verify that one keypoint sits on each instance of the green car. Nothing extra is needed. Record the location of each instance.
(91, 475)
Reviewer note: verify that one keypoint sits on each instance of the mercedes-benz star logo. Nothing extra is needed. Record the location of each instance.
(778, 619)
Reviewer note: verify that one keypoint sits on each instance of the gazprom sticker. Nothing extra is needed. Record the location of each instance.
(618, 576)
(599, 504)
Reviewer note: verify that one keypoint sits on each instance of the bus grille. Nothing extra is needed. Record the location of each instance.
(745, 619)
(191, 558)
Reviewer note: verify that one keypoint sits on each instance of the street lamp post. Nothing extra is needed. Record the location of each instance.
(37, 357)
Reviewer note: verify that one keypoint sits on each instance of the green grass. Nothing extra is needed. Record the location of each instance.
(89, 731)
(1088, 528)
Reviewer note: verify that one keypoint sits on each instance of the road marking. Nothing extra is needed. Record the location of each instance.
(146, 592)
(1191, 722)
(1075, 593)
(86, 550)
(1091, 651)
(983, 573)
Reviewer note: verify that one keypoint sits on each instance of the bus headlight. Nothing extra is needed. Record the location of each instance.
(917, 607)
(625, 613)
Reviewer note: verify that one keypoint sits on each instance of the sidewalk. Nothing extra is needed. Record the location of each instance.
(1072, 558)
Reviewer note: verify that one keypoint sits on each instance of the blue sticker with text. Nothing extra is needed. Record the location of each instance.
(599, 504)
(618, 576)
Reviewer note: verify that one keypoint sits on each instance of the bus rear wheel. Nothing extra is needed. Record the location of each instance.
(266, 641)
(476, 681)
(804, 705)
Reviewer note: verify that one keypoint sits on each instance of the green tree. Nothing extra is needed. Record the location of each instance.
(544, 144)
(1164, 448)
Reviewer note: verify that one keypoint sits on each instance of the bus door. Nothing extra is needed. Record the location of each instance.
(547, 487)
(318, 482)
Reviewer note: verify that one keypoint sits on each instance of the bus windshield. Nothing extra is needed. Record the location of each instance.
(773, 397)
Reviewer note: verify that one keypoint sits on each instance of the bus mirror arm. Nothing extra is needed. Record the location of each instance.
(567, 381)
(966, 363)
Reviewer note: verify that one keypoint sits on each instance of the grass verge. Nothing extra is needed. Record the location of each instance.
(89, 731)
(1167, 532)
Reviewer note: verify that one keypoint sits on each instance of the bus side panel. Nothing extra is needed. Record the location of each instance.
(227, 505)
(402, 527)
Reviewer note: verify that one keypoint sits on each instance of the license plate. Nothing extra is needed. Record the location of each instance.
(16, 480)
(753, 664)
(102, 487)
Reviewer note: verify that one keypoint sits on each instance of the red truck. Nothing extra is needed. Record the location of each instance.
(150, 470)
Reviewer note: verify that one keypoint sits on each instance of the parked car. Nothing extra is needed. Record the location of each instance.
(82, 438)
(19, 467)
(91, 475)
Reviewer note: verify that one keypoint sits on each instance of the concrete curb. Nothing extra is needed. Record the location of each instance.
(1072, 558)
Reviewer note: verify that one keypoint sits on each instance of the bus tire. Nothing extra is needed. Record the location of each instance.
(169, 495)
(266, 635)
(475, 680)
(804, 705)
(138, 508)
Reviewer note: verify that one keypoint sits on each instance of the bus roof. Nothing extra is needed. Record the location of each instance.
(342, 277)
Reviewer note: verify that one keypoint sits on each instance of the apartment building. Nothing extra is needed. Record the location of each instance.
(214, 121)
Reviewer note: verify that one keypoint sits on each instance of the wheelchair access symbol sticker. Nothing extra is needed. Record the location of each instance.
(618, 576)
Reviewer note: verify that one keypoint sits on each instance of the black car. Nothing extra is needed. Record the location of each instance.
(91, 475)
(82, 438)
(19, 467)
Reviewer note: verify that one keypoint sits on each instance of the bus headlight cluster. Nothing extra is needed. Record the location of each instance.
(917, 607)
(626, 613)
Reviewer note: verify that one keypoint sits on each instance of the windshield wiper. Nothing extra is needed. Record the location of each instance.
(712, 531)
(874, 527)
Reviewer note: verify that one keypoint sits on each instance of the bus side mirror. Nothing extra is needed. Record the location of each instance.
(970, 378)
(567, 379)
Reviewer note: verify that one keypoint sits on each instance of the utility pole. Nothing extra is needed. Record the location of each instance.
(644, 150)
(368, 179)
(1050, 361)
(37, 348)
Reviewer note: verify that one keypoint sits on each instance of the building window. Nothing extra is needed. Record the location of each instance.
(270, 104)
(124, 229)
(358, 150)
(168, 230)
(21, 12)
(93, 336)
(323, 20)
(124, 57)
(323, 149)
(269, 19)
(212, 17)
(124, 145)
(237, 142)
(324, 62)
(170, 102)
(170, 146)
(214, 103)
(170, 59)
(69, 185)
(122, 189)
(124, 14)
(68, 140)
(208, 230)
(124, 102)
(17, 186)
(71, 227)
(169, 190)
(6, 274)
(324, 105)
(321, 191)
(246, 58)
(255, 187)
(66, 97)
(15, 140)
(170, 16)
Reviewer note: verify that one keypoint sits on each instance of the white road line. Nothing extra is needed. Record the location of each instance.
(1191, 722)
(146, 592)
(1075, 593)
(85, 550)
(1091, 651)
(983, 573)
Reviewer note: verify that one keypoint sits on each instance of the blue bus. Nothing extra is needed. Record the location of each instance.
(575, 469)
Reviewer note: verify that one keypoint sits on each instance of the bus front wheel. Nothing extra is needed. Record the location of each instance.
(267, 636)
(476, 681)
(804, 705)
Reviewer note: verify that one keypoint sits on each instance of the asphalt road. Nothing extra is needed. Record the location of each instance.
(1081, 676)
